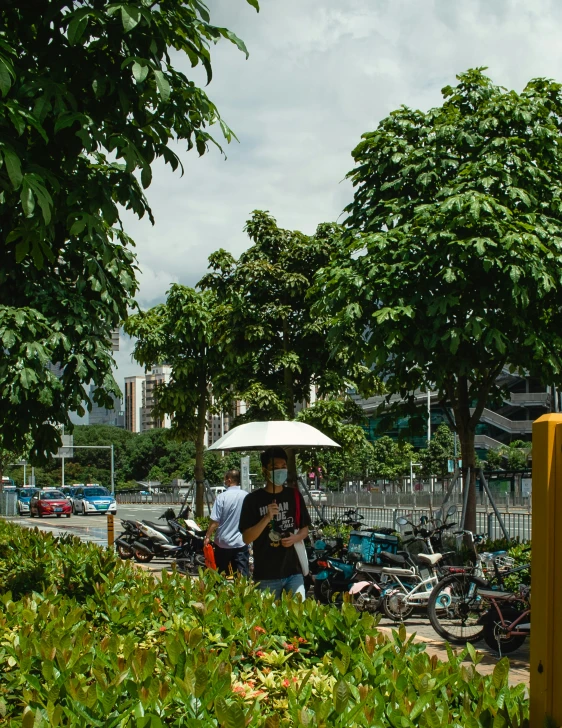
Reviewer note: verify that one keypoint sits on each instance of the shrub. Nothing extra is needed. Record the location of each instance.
(87, 640)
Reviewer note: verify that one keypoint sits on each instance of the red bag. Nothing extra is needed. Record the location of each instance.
(209, 554)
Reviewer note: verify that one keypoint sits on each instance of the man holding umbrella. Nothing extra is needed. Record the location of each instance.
(274, 519)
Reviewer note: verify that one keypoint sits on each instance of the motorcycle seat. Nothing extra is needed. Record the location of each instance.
(392, 558)
(159, 527)
(430, 558)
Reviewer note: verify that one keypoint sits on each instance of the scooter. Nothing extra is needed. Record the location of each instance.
(179, 539)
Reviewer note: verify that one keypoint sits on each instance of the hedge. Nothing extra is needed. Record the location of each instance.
(88, 640)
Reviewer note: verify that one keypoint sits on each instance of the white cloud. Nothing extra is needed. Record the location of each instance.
(320, 73)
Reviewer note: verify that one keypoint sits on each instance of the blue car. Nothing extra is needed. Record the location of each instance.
(93, 499)
(24, 499)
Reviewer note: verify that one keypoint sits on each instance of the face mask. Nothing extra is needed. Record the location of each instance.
(278, 477)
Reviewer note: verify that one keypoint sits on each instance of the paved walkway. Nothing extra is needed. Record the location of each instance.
(519, 659)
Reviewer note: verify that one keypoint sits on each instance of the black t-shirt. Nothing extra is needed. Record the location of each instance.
(272, 560)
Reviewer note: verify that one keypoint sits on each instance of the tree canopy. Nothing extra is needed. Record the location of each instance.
(180, 332)
(451, 268)
(274, 347)
(91, 98)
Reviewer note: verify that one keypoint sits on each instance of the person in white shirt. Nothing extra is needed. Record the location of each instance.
(231, 553)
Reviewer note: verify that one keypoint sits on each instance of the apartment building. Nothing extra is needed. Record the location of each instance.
(157, 376)
(133, 402)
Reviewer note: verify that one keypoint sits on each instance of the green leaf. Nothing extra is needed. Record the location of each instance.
(235, 717)
(22, 249)
(27, 378)
(254, 4)
(27, 199)
(236, 40)
(13, 167)
(341, 696)
(76, 28)
(5, 77)
(163, 85)
(140, 72)
(130, 15)
(501, 671)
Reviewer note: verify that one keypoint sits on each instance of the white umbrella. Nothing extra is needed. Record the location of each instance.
(277, 433)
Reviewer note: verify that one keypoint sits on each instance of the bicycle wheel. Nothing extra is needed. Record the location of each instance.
(455, 608)
(497, 636)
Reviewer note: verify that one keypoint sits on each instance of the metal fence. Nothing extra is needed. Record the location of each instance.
(8, 503)
(153, 498)
(504, 501)
(518, 525)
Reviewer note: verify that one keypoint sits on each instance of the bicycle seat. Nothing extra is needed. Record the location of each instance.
(159, 527)
(430, 558)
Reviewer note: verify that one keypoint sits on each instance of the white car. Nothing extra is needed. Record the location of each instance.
(318, 495)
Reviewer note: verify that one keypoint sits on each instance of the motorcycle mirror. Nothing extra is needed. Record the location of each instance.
(401, 521)
(452, 510)
(423, 520)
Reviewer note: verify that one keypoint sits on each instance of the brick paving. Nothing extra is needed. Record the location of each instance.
(519, 659)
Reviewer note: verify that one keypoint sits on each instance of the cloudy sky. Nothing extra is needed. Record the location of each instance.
(320, 73)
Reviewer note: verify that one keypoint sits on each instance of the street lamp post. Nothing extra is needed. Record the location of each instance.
(412, 465)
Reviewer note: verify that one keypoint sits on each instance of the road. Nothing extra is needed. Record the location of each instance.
(94, 528)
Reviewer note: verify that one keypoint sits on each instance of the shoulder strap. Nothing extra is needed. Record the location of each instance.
(297, 508)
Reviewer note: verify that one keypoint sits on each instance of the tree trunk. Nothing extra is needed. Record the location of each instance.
(466, 436)
(200, 447)
(289, 402)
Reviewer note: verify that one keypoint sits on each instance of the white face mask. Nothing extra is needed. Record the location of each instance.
(278, 477)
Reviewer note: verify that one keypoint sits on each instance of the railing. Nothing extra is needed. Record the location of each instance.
(518, 525)
(424, 499)
(152, 498)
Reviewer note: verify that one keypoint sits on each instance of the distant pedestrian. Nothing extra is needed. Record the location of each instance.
(231, 553)
(274, 518)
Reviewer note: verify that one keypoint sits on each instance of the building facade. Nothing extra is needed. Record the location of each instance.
(157, 376)
(524, 400)
(103, 416)
(133, 402)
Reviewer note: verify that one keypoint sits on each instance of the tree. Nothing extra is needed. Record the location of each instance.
(514, 456)
(439, 450)
(390, 459)
(90, 100)
(180, 332)
(274, 348)
(340, 419)
(451, 269)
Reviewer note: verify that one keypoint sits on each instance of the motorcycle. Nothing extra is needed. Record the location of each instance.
(179, 538)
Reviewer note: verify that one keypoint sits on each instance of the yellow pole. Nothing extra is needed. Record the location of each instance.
(546, 574)
(110, 531)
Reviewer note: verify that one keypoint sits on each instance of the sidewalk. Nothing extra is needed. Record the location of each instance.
(518, 660)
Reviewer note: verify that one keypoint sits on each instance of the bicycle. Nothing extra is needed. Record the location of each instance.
(460, 602)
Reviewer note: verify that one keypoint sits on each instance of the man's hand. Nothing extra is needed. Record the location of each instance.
(290, 540)
(206, 540)
(272, 510)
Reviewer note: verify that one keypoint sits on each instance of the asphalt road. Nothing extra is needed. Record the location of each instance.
(94, 527)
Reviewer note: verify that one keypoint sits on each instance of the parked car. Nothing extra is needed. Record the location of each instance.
(217, 490)
(24, 499)
(49, 502)
(70, 491)
(92, 499)
(318, 495)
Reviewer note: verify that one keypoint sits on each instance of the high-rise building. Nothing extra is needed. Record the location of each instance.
(103, 416)
(133, 403)
(157, 376)
(140, 399)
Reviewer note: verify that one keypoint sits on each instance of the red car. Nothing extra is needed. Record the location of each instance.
(49, 502)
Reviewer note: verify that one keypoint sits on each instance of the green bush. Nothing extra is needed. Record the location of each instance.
(88, 640)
